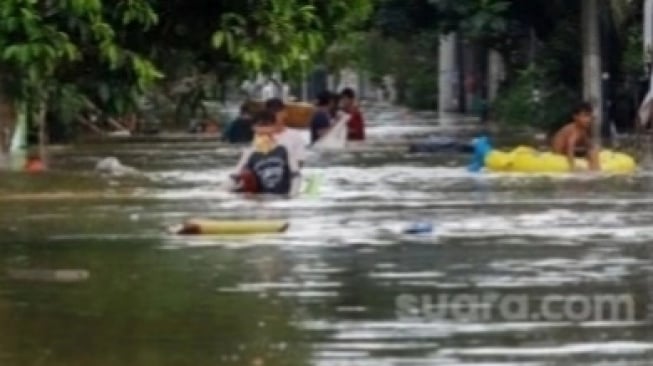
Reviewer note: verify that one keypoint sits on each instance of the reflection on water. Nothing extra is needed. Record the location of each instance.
(90, 275)
(44, 275)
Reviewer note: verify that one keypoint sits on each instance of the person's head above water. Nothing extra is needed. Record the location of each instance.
(324, 99)
(264, 119)
(583, 115)
(264, 129)
(265, 122)
(347, 98)
(277, 107)
(245, 110)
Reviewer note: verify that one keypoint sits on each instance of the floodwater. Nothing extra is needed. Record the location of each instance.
(512, 274)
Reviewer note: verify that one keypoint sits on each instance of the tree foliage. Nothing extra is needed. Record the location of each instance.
(540, 41)
(277, 35)
(71, 54)
(483, 20)
(59, 36)
(397, 19)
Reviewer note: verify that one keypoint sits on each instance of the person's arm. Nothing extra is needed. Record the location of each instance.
(343, 117)
(301, 150)
(294, 165)
(235, 182)
(593, 157)
(571, 150)
(244, 158)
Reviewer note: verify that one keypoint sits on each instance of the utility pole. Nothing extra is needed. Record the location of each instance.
(447, 93)
(644, 112)
(496, 74)
(304, 85)
(304, 59)
(648, 38)
(592, 73)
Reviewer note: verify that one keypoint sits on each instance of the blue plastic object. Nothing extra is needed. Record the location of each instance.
(419, 228)
(482, 148)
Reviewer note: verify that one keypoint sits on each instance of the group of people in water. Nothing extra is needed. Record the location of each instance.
(272, 163)
(331, 108)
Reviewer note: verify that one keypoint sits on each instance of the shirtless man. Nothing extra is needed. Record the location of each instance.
(575, 140)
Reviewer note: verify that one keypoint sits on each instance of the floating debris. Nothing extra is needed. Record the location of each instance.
(49, 275)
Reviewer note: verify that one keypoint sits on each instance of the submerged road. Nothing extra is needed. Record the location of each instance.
(519, 270)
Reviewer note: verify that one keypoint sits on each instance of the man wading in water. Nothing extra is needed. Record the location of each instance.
(356, 123)
(288, 137)
(268, 167)
(321, 120)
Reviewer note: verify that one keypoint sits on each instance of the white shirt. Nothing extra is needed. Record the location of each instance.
(267, 91)
(294, 141)
(336, 137)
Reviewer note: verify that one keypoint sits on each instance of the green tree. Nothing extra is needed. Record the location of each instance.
(57, 36)
(481, 20)
(400, 40)
(78, 53)
(287, 35)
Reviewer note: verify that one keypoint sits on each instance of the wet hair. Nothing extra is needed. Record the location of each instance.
(335, 98)
(584, 107)
(275, 105)
(348, 93)
(265, 118)
(324, 98)
(244, 108)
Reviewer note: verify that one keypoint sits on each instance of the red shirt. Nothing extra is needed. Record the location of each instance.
(356, 125)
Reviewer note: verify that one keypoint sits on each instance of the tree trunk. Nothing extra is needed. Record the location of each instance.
(447, 80)
(592, 75)
(304, 83)
(7, 123)
(332, 81)
(496, 74)
(43, 133)
(648, 32)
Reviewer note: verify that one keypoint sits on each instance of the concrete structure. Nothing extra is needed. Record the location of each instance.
(592, 70)
(448, 76)
(648, 32)
(496, 74)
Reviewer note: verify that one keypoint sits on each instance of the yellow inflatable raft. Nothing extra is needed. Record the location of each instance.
(525, 159)
(231, 227)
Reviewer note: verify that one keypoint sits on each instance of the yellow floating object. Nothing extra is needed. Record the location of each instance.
(232, 227)
(524, 159)
(298, 114)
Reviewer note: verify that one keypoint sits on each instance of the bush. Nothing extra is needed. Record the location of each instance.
(412, 62)
(421, 89)
(530, 101)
